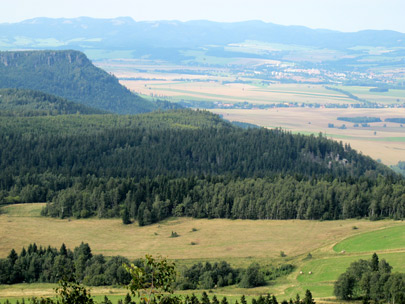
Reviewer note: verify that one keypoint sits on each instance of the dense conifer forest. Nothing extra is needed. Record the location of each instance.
(49, 265)
(20, 102)
(71, 75)
(187, 163)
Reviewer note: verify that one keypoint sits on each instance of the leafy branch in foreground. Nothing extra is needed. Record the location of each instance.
(152, 280)
(70, 292)
(67, 293)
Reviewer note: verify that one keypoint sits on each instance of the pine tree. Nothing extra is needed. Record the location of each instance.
(126, 217)
(106, 300)
(127, 299)
(63, 250)
(308, 298)
(194, 299)
(204, 298)
(374, 262)
(12, 257)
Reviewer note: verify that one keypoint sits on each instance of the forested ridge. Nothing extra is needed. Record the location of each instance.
(187, 163)
(71, 75)
(21, 102)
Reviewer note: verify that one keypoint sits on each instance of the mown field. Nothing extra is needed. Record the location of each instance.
(386, 143)
(239, 242)
(214, 84)
(255, 93)
(218, 83)
(390, 97)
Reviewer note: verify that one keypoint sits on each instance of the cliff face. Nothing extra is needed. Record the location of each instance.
(71, 75)
(40, 58)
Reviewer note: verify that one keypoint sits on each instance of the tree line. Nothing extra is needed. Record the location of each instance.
(281, 197)
(152, 280)
(71, 293)
(360, 119)
(220, 274)
(50, 265)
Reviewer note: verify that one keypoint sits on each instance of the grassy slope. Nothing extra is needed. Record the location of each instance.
(240, 242)
(385, 239)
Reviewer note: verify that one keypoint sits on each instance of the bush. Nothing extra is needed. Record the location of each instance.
(253, 277)
(174, 234)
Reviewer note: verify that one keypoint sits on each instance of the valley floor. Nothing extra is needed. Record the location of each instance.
(332, 244)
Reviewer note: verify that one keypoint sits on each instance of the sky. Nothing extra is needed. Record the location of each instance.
(341, 15)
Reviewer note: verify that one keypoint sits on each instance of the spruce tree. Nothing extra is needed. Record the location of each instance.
(63, 250)
(127, 299)
(12, 257)
(308, 298)
(374, 262)
(126, 217)
(194, 299)
(204, 298)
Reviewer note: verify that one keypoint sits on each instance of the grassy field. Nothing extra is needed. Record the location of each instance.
(259, 239)
(390, 97)
(385, 239)
(240, 242)
(386, 143)
(216, 91)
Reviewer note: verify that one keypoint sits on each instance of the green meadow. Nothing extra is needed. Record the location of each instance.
(384, 239)
(333, 246)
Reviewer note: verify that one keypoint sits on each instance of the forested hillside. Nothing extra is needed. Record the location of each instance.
(20, 102)
(71, 75)
(191, 163)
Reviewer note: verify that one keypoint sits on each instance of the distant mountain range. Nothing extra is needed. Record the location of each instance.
(164, 37)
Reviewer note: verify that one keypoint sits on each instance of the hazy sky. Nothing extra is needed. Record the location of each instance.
(343, 15)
